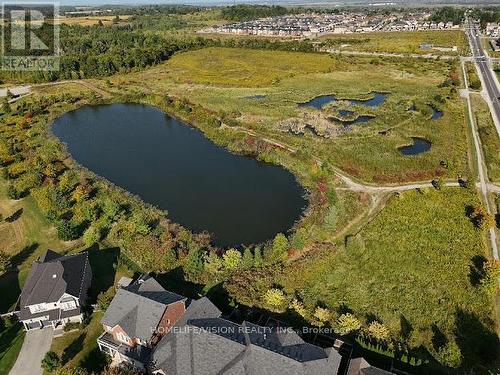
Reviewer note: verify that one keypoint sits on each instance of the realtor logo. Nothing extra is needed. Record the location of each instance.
(30, 36)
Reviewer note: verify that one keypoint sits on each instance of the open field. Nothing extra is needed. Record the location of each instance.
(363, 152)
(89, 20)
(489, 137)
(402, 42)
(414, 261)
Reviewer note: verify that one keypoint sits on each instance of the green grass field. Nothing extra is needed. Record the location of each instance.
(286, 79)
(415, 261)
(489, 137)
(403, 42)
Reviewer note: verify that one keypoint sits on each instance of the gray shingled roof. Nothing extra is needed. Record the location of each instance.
(203, 343)
(359, 366)
(52, 275)
(138, 308)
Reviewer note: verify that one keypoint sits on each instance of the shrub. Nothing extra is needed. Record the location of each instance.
(104, 299)
(347, 323)
(321, 315)
(299, 308)
(92, 235)
(213, 264)
(13, 193)
(51, 361)
(378, 331)
(71, 326)
(275, 299)
(67, 231)
(450, 355)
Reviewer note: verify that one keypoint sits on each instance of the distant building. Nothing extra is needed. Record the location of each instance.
(166, 333)
(55, 291)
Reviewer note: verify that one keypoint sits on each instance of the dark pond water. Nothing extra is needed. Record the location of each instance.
(173, 166)
(320, 101)
(357, 120)
(419, 145)
(346, 113)
(436, 114)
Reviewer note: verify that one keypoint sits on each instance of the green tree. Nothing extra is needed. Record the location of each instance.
(347, 323)
(194, 264)
(450, 355)
(257, 257)
(278, 251)
(213, 264)
(275, 299)
(51, 361)
(92, 235)
(67, 231)
(232, 259)
(104, 298)
(247, 260)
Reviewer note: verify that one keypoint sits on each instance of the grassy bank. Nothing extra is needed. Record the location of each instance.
(489, 137)
(415, 262)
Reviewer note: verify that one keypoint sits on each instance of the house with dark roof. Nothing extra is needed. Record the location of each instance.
(55, 290)
(359, 366)
(165, 333)
(137, 318)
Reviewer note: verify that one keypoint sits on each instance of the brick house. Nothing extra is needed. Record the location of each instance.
(136, 320)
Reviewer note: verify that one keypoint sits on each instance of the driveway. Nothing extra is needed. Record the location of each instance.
(36, 344)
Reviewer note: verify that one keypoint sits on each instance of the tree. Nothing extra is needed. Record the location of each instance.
(67, 231)
(13, 193)
(232, 259)
(6, 106)
(450, 355)
(194, 263)
(257, 257)
(481, 218)
(92, 235)
(299, 307)
(347, 323)
(104, 299)
(378, 331)
(4, 262)
(51, 361)
(247, 260)
(278, 251)
(275, 299)
(213, 263)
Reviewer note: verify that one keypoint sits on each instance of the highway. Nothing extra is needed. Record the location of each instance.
(488, 75)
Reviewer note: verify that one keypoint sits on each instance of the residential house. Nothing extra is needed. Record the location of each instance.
(165, 333)
(359, 366)
(138, 316)
(55, 290)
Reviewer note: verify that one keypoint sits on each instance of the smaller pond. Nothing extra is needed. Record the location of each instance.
(320, 101)
(357, 120)
(419, 146)
(345, 113)
(256, 97)
(436, 114)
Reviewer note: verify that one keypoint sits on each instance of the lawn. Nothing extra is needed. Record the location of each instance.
(489, 137)
(79, 348)
(25, 237)
(402, 42)
(416, 261)
(368, 152)
(11, 341)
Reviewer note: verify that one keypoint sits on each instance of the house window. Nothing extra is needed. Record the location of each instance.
(68, 305)
(123, 338)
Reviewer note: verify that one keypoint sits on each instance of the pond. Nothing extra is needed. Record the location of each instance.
(436, 114)
(419, 146)
(173, 166)
(320, 101)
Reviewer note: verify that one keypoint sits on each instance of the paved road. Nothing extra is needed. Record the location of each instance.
(36, 344)
(491, 90)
